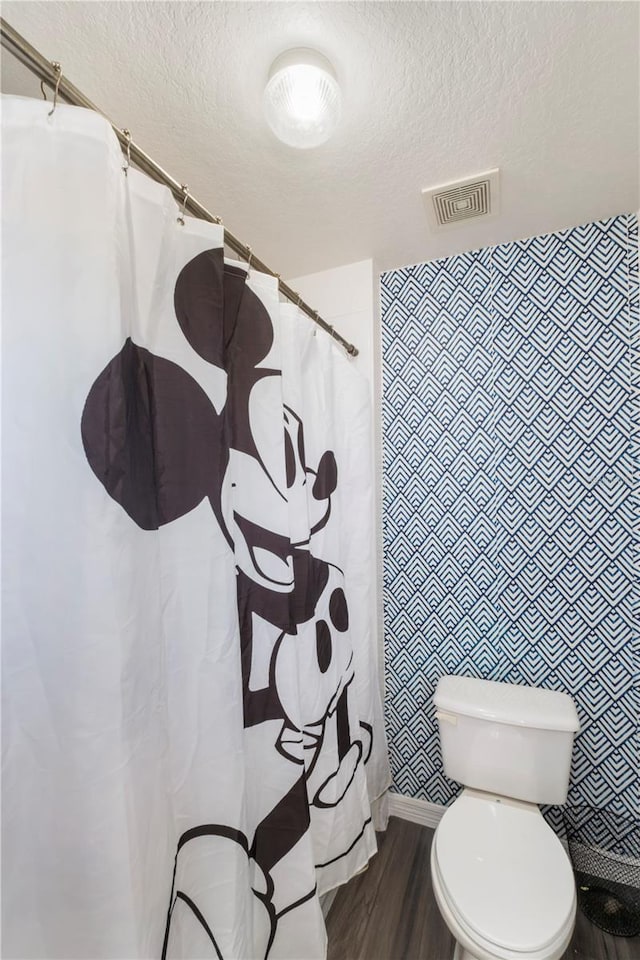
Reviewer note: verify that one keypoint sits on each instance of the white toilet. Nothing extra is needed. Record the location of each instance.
(501, 877)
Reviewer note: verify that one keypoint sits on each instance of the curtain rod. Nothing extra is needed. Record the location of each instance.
(23, 51)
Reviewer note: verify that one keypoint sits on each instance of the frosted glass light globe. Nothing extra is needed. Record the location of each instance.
(302, 99)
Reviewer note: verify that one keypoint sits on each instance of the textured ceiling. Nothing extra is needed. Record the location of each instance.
(433, 92)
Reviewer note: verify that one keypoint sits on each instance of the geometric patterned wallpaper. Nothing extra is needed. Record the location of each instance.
(509, 497)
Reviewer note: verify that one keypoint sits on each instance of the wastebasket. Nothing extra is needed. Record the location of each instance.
(605, 854)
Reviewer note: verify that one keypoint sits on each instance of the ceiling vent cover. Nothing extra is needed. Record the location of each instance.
(468, 199)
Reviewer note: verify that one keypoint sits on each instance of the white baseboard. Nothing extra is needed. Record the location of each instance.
(417, 811)
(407, 808)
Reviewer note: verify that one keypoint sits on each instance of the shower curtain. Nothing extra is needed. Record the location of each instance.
(192, 729)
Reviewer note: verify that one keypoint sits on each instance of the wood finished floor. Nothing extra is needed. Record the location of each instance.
(389, 911)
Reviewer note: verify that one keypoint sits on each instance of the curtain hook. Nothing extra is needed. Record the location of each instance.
(185, 189)
(249, 258)
(317, 323)
(43, 91)
(58, 69)
(127, 135)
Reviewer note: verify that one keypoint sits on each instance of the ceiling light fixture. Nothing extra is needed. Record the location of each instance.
(302, 99)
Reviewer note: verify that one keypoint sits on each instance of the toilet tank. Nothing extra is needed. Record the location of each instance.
(504, 738)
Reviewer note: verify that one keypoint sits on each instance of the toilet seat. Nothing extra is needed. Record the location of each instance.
(504, 876)
(483, 950)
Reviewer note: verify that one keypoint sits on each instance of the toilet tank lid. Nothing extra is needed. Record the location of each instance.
(507, 703)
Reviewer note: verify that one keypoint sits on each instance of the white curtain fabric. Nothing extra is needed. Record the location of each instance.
(192, 729)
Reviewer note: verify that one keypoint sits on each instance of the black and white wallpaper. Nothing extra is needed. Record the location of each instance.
(509, 494)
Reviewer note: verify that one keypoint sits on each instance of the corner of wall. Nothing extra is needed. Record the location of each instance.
(378, 465)
(348, 297)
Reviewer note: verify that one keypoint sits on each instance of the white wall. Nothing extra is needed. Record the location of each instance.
(347, 298)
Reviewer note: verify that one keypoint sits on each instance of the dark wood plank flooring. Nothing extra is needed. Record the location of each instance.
(389, 912)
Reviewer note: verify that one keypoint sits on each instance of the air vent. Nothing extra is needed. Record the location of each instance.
(462, 200)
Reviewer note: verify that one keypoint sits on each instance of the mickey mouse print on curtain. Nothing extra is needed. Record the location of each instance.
(204, 651)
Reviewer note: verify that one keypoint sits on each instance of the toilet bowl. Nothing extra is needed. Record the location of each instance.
(502, 880)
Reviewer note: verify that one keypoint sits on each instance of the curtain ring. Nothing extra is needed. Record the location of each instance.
(127, 135)
(58, 69)
(185, 189)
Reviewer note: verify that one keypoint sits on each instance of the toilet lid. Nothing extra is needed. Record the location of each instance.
(504, 871)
